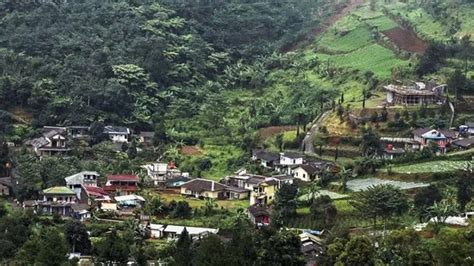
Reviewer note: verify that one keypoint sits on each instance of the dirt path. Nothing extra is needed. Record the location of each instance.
(310, 35)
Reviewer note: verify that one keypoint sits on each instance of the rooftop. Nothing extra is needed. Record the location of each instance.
(60, 190)
(79, 177)
(266, 155)
(465, 143)
(191, 230)
(122, 178)
(199, 185)
(418, 88)
(116, 130)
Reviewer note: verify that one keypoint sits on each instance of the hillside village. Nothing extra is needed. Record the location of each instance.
(347, 141)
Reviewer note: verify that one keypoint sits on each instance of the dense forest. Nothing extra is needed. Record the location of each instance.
(143, 64)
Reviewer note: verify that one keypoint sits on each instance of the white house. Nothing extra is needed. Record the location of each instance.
(174, 231)
(288, 159)
(468, 128)
(117, 134)
(156, 230)
(312, 171)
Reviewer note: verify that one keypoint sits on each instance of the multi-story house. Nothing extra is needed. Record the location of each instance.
(58, 200)
(120, 185)
(78, 181)
(52, 142)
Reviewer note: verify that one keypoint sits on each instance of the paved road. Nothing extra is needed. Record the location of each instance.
(308, 139)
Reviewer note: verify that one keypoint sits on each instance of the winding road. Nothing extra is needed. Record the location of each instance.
(307, 144)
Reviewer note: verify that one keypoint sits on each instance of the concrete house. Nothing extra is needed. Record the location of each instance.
(262, 188)
(425, 136)
(119, 185)
(91, 194)
(416, 94)
(174, 231)
(202, 188)
(265, 158)
(159, 173)
(312, 171)
(290, 159)
(118, 134)
(52, 142)
(57, 200)
(77, 181)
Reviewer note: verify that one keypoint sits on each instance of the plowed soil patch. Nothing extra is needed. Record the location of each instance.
(190, 150)
(406, 40)
(267, 132)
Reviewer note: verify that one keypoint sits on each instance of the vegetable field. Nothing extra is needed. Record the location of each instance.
(362, 184)
(430, 167)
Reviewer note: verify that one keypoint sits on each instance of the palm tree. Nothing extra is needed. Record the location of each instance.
(345, 174)
(313, 191)
(209, 205)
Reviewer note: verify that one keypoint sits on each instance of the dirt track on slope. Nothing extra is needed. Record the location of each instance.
(308, 37)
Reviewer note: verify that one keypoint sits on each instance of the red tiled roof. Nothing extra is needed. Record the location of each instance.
(95, 191)
(122, 178)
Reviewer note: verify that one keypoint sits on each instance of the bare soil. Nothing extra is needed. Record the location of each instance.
(406, 40)
(268, 132)
(191, 150)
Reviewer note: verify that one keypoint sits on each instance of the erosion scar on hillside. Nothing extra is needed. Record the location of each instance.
(406, 40)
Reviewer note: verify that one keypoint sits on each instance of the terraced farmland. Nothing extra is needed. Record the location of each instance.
(431, 167)
(353, 43)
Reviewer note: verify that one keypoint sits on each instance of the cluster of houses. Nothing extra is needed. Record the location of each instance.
(445, 140)
(82, 192)
(56, 140)
(294, 164)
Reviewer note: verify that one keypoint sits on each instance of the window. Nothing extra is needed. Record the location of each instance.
(304, 175)
(294, 161)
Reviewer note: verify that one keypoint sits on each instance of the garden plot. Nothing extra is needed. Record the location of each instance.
(430, 167)
(362, 184)
(332, 195)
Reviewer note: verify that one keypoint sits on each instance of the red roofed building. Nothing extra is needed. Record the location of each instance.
(90, 193)
(121, 184)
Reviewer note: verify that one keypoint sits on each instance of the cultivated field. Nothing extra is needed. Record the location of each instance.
(430, 167)
(352, 43)
(362, 184)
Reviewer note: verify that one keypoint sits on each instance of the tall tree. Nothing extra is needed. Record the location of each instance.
(112, 249)
(425, 198)
(358, 251)
(184, 252)
(284, 205)
(464, 190)
(77, 237)
(382, 201)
